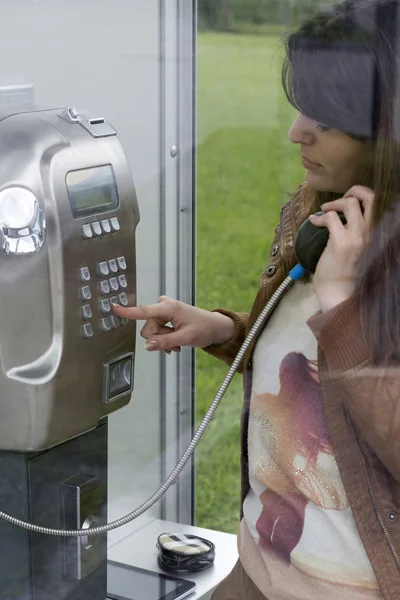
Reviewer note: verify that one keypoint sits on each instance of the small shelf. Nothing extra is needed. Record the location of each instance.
(139, 550)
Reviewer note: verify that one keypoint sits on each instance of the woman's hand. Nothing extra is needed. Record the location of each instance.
(334, 280)
(191, 326)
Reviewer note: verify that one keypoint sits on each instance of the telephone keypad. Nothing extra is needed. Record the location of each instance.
(106, 286)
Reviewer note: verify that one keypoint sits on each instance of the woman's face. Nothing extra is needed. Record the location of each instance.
(333, 160)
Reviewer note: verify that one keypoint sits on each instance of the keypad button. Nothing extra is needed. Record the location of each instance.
(87, 331)
(124, 321)
(114, 300)
(115, 226)
(123, 299)
(113, 265)
(105, 306)
(106, 324)
(122, 281)
(87, 232)
(84, 274)
(85, 293)
(106, 226)
(102, 269)
(104, 288)
(86, 312)
(115, 321)
(96, 227)
(114, 284)
(121, 263)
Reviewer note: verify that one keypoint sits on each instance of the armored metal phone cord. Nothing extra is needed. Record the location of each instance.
(295, 274)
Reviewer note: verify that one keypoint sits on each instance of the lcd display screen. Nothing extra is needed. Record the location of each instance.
(92, 191)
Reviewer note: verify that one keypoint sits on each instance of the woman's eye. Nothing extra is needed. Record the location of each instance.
(321, 127)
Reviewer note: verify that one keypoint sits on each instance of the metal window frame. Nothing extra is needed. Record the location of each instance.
(178, 28)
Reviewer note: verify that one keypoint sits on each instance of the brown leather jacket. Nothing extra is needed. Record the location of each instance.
(361, 406)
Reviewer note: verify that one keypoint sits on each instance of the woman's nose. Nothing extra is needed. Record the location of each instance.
(301, 131)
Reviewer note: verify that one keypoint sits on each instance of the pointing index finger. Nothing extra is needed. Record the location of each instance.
(142, 313)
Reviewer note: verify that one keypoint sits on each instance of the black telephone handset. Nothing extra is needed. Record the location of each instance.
(311, 242)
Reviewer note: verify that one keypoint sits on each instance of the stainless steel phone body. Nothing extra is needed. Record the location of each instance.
(68, 216)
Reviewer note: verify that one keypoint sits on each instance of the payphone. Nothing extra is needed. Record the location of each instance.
(68, 215)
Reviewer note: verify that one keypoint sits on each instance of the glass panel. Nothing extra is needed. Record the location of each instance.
(246, 166)
(297, 206)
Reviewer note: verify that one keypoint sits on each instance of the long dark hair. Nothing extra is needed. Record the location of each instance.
(342, 69)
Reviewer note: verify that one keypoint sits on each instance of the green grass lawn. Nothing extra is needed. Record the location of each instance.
(246, 166)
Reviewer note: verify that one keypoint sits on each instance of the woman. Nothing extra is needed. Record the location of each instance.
(321, 419)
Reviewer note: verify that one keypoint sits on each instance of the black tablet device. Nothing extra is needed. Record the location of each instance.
(131, 583)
